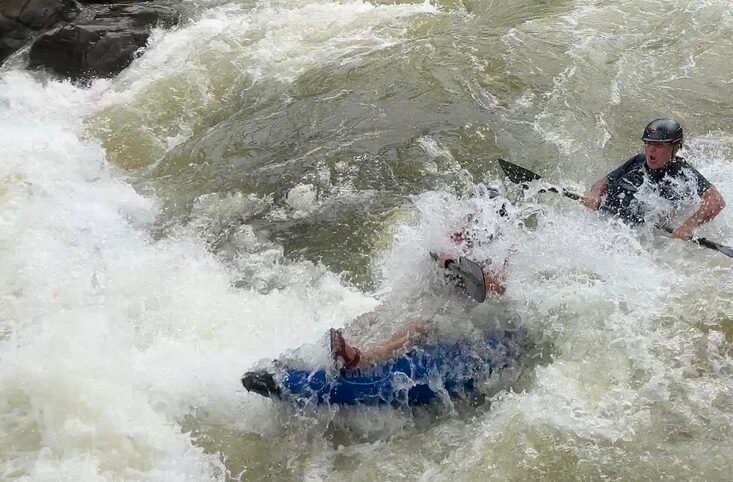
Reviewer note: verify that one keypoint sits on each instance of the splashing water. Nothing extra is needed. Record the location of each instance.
(272, 169)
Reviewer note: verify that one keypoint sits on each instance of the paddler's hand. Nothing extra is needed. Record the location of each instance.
(592, 201)
(683, 231)
(417, 329)
(495, 282)
(445, 260)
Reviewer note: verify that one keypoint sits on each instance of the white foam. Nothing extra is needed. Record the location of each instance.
(112, 338)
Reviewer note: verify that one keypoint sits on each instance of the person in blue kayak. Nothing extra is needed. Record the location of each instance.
(656, 178)
(458, 269)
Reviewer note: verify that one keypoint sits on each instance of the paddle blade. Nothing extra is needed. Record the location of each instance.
(518, 174)
(469, 277)
(473, 277)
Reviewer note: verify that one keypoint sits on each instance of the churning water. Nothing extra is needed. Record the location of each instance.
(274, 168)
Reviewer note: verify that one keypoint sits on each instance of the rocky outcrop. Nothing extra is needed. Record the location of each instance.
(108, 2)
(103, 43)
(85, 39)
(21, 19)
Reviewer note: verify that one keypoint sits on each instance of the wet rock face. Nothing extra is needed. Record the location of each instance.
(103, 43)
(20, 19)
(78, 51)
(81, 40)
(107, 2)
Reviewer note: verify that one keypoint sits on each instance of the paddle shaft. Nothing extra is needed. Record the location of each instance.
(726, 250)
(571, 195)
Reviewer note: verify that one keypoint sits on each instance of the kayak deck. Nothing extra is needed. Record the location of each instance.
(418, 377)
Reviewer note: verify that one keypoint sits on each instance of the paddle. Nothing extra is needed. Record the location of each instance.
(468, 276)
(520, 175)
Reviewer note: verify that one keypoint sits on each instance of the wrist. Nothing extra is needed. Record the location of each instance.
(689, 224)
(444, 261)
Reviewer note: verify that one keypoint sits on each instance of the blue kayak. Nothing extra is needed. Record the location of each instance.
(418, 377)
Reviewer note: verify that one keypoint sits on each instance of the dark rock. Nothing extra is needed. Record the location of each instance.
(39, 14)
(140, 16)
(19, 19)
(102, 45)
(12, 36)
(107, 2)
(78, 51)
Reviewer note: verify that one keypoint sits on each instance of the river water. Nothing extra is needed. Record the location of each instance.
(274, 168)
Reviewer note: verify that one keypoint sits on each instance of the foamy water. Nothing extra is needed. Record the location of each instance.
(122, 344)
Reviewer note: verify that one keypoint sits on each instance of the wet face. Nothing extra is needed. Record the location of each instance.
(658, 154)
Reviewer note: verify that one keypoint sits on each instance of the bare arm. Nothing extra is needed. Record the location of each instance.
(401, 341)
(593, 199)
(712, 204)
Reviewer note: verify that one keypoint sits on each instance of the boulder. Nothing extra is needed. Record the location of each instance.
(107, 2)
(19, 19)
(102, 45)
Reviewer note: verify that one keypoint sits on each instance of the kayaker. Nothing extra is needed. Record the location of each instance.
(630, 190)
(466, 239)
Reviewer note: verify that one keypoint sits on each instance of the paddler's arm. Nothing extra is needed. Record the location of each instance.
(408, 337)
(593, 199)
(712, 204)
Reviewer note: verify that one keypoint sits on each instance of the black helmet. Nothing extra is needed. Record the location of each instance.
(663, 130)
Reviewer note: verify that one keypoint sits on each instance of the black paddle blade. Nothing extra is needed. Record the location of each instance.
(468, 276)
(518, 174)
(474, 279)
